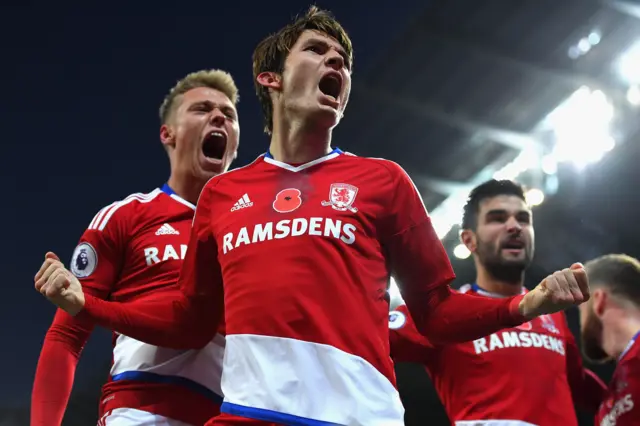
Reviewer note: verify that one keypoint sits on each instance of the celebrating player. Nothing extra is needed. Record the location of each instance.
(506, 376)
(133, 250)
(304, 266)
(610, 326)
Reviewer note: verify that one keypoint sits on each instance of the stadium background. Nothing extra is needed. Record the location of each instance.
(456, 91)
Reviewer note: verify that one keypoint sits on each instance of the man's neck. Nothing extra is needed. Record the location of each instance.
(619, 332)
(297, 142)
(187, 188)
(489, 283)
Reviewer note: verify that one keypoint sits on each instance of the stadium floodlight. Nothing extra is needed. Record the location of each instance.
(549, 165)
(584, 45)
(534, 197)
(629, 64)
(594, 37)
(461, 251)
(633, 95)
(582, 127)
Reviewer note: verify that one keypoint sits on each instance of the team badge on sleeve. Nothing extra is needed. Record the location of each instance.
(396, 320)
(84, 260)
(341, 197)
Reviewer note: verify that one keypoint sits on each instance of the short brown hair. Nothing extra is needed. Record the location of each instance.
(271, 53)
(619, 273)
(489, 189)
(214, 79)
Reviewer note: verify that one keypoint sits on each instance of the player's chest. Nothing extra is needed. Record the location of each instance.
(157, 242)
(620, 400)
(296, 205)
(539, 340)
(614, 406)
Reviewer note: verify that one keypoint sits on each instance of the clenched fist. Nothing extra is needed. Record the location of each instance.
(59, 285)
(557, 292)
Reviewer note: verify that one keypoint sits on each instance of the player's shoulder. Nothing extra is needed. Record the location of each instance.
(127, 209)
(389, 166)
(631, 357)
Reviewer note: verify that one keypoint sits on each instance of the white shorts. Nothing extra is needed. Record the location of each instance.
(133, 417)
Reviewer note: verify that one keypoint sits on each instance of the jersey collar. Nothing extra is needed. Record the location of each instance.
(476, 288)
(171, 193)
(268, 158)
(629, 346)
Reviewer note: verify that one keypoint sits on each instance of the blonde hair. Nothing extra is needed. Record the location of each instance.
(214, 79)
(620, 273)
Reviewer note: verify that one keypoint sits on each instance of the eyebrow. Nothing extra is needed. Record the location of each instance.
(209, 103)
(339, 48)
(495, 212)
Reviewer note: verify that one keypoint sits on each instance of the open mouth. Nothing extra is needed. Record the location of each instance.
(331, 85)
(513, 245)
(214, 145)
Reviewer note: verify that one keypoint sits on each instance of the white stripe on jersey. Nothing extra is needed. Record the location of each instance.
(102, 218)
(313, 381)
(203, 366)
(183, 201)
(99, 215)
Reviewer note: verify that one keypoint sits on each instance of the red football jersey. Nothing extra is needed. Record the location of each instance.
(278, 228)
(620, 405)
(133, 249)
(525, 375)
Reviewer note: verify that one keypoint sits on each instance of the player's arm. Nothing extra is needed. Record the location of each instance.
(423, 272)
(587, 389)
(66, 337)
(406, 343)
(56, 368)
(189, 318)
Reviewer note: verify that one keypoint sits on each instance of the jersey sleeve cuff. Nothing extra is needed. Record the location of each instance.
(514, 310)
(91, 303)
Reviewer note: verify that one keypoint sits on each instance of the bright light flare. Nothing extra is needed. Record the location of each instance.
(629, 64)
(633, 95)
(461, 251)
(581, 125)
(534, 197)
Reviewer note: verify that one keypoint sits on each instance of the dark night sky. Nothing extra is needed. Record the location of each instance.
(81, 91)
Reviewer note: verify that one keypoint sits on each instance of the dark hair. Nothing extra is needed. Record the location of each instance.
(489, 189)
(617, 272)
(271, 53)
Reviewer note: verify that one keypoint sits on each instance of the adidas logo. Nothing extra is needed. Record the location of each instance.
(167, 229)
(242, 203)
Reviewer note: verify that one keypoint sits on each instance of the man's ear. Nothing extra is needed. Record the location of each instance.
(167, 136)
(468, 238)
(600, 301)
(270, 80)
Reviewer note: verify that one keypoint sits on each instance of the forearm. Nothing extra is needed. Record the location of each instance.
(53, 383)
(444, 316)
(170, 322)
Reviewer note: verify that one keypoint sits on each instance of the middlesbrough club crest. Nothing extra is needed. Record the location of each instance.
(341, 197)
